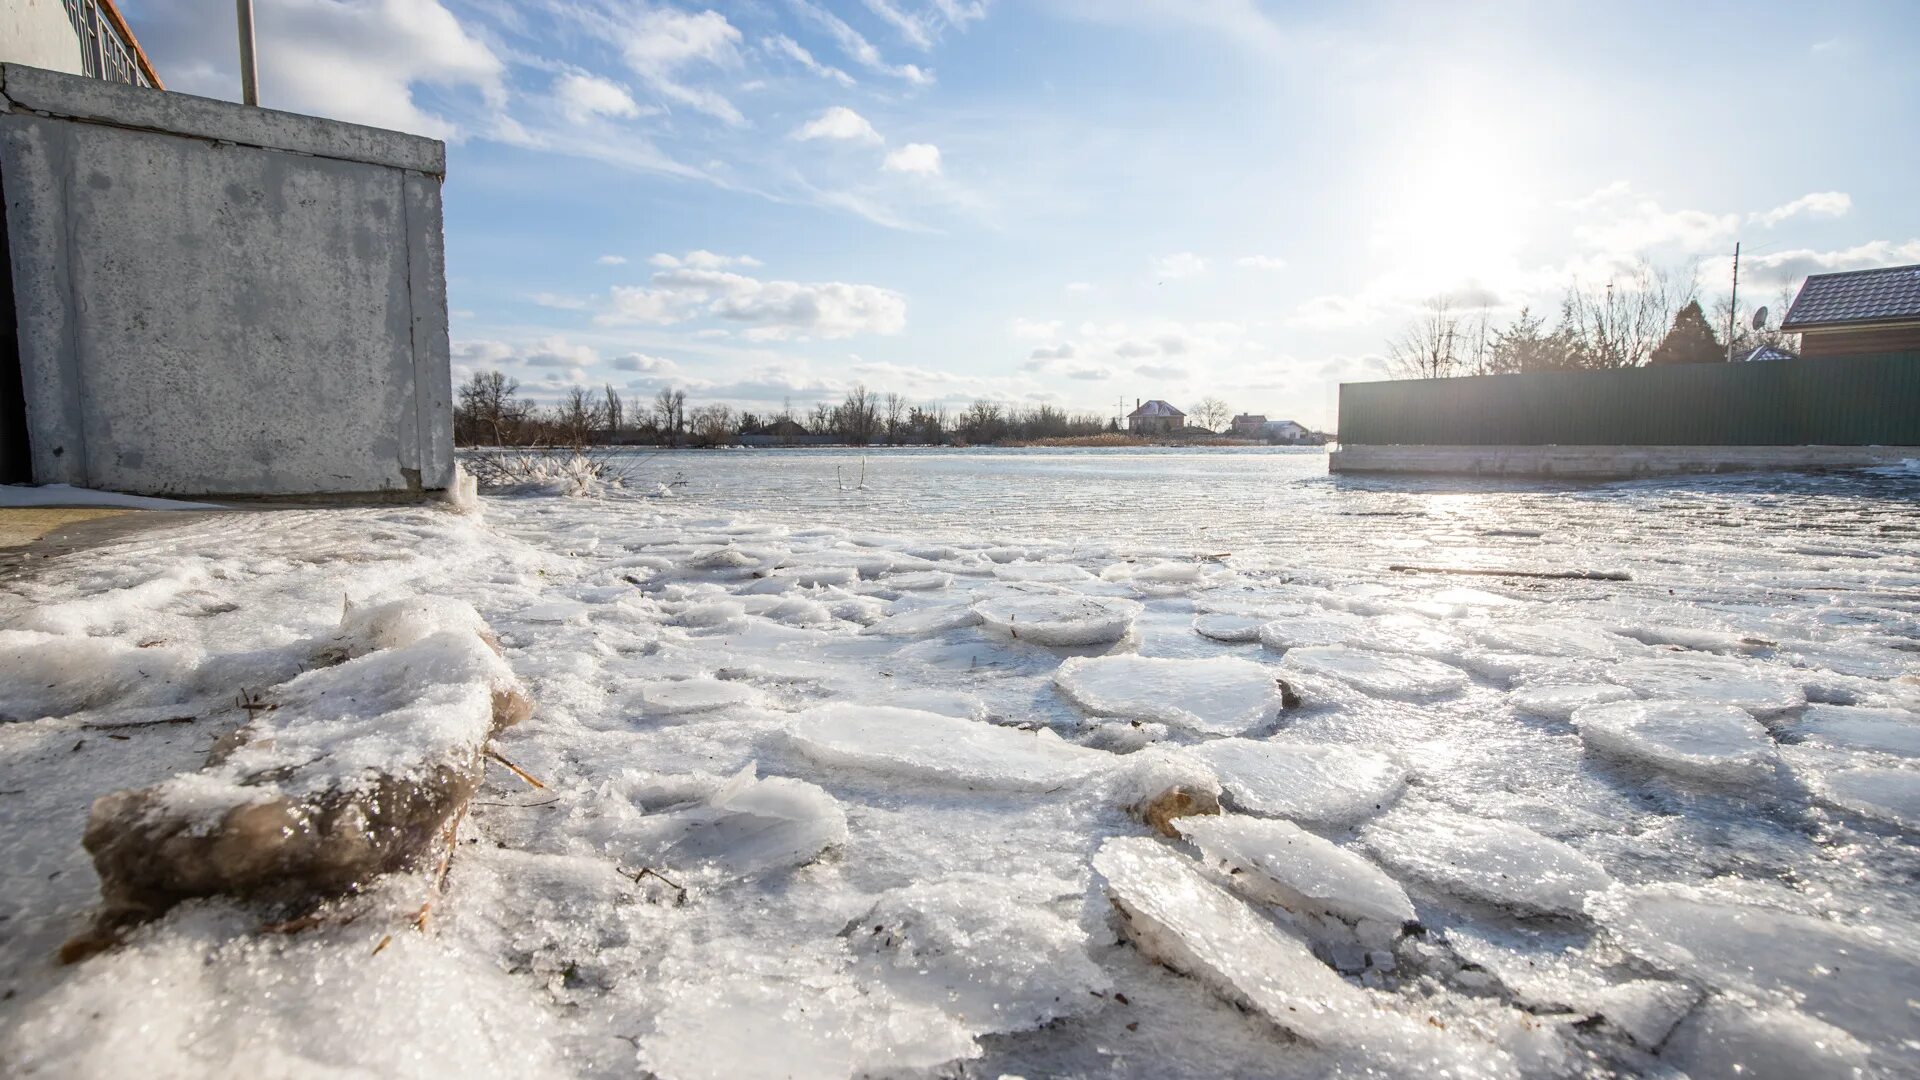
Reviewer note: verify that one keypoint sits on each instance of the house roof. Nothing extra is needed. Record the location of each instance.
(1767, 352)
(1249, 418)
(1886, 294)
(1156, 407)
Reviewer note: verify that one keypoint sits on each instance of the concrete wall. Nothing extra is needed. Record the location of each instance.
(38, 32)
(217, 300)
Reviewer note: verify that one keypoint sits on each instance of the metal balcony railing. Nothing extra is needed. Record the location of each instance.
(108, 49)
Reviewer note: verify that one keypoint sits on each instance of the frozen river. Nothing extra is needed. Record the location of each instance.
(893, 735)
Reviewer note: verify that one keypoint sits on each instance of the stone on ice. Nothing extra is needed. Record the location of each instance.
(1220, 695)
(1719, 743)
(1316, 783)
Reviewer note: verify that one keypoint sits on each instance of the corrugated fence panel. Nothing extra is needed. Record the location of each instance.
(1832, 401)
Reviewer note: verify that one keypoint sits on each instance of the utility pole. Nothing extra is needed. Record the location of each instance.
(249, 70)
(1733, 302)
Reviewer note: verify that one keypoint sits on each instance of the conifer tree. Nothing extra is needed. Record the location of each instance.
(1691, 341)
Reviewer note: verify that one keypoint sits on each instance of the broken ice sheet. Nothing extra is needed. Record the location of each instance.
(1558, 701)
(1858, 978)
(1719, 743)
(1277, 862)
(1387, 675)
(1842, 727)
(1756, 688)
(1178, 918)
(747, 825)
(912, 744)
(1219, 695)
(1322, 784)
(1885, 794)
(1489, 862)
(1059, 618)
(985, 949)
(681, 697)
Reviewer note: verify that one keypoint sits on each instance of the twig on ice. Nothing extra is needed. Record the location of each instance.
(517, 770)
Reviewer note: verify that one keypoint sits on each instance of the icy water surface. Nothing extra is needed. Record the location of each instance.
(850, 780)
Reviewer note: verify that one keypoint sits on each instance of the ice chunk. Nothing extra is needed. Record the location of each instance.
(1859, 980)
(925, 621)
(1547, 979)
(679, 697)
(1407, 677)
(1052, 572)
(1219, 695)
(713, 613)
(919, 581)
(1720, 743)
(1842, 727)
(983, 949)
(1178, 918)
(1752, 687)
(1059, 619)
(1729, 1039)
(1300, 631)
(1228, 627)
(1277, 862)
(1562, 639)
(1316, 783)
(1695, 638)
(747, 826)
(1891, 795)
(810, 576)
(365, 628)
(1559, 702)
(1489, 862)
(942, 749)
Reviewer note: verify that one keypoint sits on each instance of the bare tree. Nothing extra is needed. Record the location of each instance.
(1475, 343)
(1428, 346)
(820, 419)
(712, 425)
(578, 417)
(1212, 413)
(895, 411)
(488, 410)
(616, 416)
(1621, 325)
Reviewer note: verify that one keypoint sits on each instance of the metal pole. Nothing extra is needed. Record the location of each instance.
(249, 71)
(1733, 302)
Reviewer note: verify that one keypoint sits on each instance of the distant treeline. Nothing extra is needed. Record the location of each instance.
(491, 412)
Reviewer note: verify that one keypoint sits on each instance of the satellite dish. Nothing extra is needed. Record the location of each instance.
(1760, 319)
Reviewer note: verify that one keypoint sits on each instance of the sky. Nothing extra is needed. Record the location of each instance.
(1084, 202)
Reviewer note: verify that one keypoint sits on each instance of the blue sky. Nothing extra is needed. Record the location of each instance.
(1084, 202)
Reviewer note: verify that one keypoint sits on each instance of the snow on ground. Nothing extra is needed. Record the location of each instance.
(854, 784)
(68, 495)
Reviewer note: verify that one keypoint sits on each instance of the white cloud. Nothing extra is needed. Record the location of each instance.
(1260, 262)
(584, 97)
(838, 123)
(772, 310)
(1619, 189)
(1829, 204)
(1183, 264)
(612, 260)
(1079, 288)
(921, 159)
(662, 43)
(359, 61)
(1788, 267)
(912, 28)
(1062, 351)
(1034, 330)
(701, 259)
(798, 53)
(857, 47)
(1646, 226)
(556, 300)
(645, 365)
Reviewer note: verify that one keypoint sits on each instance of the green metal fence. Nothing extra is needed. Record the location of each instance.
(1835, 401)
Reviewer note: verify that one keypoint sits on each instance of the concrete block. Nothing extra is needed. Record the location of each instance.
(202, 317)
